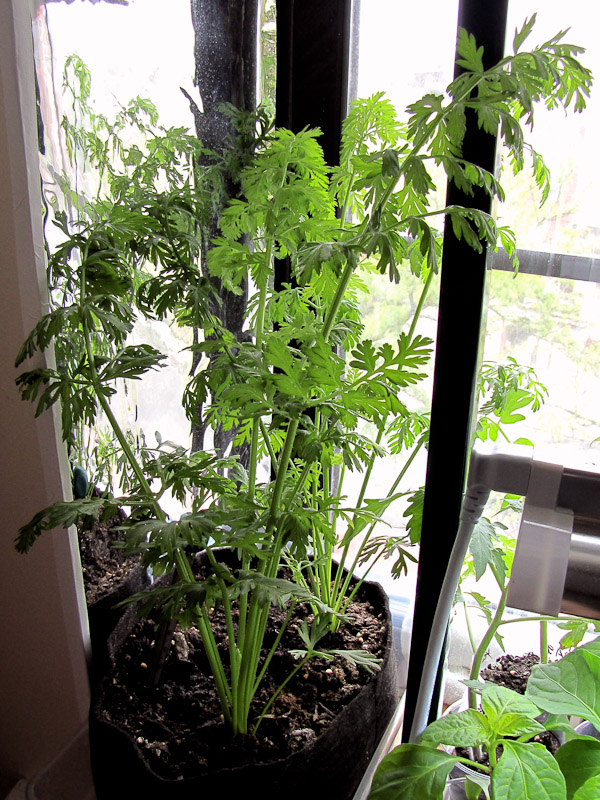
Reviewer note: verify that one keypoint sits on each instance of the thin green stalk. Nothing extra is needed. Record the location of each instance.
(251, 658)
(284, 460)
(411, 332)
(258, 337)
(258, 615)
(115, 425)
(268, 444)
(234, 655)
(337, 300)
(216, 665)
(278, 638)
(487, 639)
(324, 548)
(420, 304)
(301, 480)
(531, 619)
(279, 690)
(544, 641)
(361, 497)
(367, 536)
(183, 566)
(473, 764)
(469, 628)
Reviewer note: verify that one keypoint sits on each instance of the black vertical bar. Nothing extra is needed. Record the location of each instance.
(313, 52)
(457, 362)
(313, 49)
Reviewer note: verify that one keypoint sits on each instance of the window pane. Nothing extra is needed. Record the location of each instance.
(552, 324)
(568, 221)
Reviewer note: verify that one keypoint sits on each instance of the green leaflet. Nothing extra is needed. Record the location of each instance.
(570, 686)
(412, 772)
(465, 729)
(527, 772)
(579, 761)
(590, 790)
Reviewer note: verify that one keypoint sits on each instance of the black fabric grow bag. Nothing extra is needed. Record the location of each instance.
(331, 766)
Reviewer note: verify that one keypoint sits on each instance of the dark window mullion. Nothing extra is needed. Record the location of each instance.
(314, 40)
(457, 361)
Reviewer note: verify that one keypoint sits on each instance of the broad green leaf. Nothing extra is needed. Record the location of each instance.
(591, 653)
(390, 166)
(577, 628)
(470, 55)
(414, 513)
(579, 761)
(517, 726)
(412, 772)
(590, 790)
(481, 546)
(466, 729)
(527, 772)
(560, 722)
(498, 701)
(375, 509)
(569, 686)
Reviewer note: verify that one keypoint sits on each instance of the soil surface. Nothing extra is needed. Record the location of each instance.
(103, 566)
(178, 726)
(511, 671)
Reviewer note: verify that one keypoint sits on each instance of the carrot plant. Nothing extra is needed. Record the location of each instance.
(299, 382)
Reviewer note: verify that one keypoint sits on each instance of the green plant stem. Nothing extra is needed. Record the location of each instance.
(361, 497)
(258, 613)
(234, 653)
(278, 638)
(258, 338)
(276, 497)
(491, 751)
(420, 304)
(473, 764)
(486, 641)
(337, 299)
(267, 441)
(216, 665)
(411, 332)
(367, 536)
(279, 690)
(544, 641)
(182, 564)
(469, 628)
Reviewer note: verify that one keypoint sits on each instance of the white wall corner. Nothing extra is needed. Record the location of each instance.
(44, 692)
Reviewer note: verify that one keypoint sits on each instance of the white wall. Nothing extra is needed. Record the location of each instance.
(44, 694)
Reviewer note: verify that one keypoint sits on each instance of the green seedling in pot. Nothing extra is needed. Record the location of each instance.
(505, 728)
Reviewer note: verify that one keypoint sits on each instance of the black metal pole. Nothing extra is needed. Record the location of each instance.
(314, 41)
(313, 51)
(457, 362)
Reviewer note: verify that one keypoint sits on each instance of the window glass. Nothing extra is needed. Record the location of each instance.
(551, 323)
(547, 323)
(92, 60)
(568, 220)
(404, 55)
(406, 49)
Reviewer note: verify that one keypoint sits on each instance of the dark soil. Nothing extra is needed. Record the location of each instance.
(103, 566)
(178, 726)
(511, 671)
